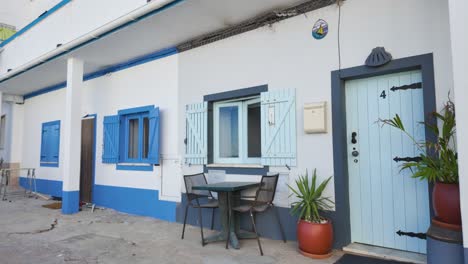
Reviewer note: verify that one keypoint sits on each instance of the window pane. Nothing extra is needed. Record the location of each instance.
(133, 128)
(229, 132)
(254, 131)
(145, 137)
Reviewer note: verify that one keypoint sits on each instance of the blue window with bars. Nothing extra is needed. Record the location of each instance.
(50, 144)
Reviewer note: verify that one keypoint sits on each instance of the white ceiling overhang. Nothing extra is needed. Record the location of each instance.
(169, 28)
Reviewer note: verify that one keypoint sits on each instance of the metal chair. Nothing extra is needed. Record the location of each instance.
(263, 201)
(194, 196)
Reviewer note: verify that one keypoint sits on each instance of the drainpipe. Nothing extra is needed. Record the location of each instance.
(95, 34)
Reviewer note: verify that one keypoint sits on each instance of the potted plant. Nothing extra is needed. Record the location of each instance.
(314, 232)
(438, 164)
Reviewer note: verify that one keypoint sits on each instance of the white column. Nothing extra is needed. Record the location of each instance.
(459, 38)
(1, 103)
(71, 145)
(3, 152)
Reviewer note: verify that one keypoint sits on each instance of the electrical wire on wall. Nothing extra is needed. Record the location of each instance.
(261, 20)
(339, 3)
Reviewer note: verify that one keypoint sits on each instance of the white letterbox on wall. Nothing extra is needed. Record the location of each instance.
(315, 117)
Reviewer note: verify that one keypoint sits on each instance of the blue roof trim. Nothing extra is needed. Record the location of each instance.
(132, 63)
(35, 22)
(114, 68)
(100, 36)
(46, 90)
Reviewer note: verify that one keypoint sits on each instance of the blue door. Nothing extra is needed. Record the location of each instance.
(383, 199)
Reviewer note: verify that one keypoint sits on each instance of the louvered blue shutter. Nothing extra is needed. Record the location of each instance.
(196, 117)
(154, 129)
(54, 132)
(110, 153)
(278, 119)
(44, 145)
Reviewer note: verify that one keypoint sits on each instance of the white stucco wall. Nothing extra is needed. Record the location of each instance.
(15, 138)
(6, 150)
(286, 55)
(38, 110)
(458, 22)
(19, 13)
(153, 83)
(68, 23)
(14, 13)
(283, 56)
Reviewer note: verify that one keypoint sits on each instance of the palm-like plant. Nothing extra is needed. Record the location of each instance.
(310, 198)
(441, 164)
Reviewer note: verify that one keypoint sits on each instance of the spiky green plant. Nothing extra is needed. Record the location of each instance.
(310, 201)
(440, 164)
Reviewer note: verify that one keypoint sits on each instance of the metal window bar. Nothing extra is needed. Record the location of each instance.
(30, 190)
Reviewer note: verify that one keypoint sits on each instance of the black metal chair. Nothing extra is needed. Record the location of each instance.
(194, 196)
(263, 201)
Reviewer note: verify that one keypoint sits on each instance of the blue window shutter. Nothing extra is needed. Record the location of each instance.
(50, 144)
(154, 128)
(278, 117)
(44, 143)
(110, 153)
(54, 132)
(196, 117)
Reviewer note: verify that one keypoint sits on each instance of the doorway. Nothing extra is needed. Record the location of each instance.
(88, 132)
(339, 78)
(383, 198)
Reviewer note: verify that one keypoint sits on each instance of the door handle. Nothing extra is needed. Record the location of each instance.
(353, 138)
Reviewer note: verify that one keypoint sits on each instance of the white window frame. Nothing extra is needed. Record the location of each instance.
(242, 105)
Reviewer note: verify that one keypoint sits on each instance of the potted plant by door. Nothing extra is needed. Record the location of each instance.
(314, 232)
(438, 164)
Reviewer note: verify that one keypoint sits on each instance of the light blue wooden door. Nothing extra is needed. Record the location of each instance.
(383, 199)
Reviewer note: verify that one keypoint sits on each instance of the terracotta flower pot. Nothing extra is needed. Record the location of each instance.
(315, 240)
(446, 202)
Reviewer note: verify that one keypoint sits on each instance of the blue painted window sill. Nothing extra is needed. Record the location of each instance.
(142, 167)
(52, 165)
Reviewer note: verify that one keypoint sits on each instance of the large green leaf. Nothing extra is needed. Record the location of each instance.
(440, 163)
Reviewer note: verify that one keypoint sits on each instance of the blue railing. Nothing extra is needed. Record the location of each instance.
(35, 22)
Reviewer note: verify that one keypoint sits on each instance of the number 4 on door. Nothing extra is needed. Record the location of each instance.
(383, 94)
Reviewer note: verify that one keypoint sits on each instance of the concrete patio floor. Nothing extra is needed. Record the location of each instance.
(107, 236)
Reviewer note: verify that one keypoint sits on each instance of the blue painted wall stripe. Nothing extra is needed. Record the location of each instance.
(176, 2)
(50, 187)
(128, 200)
(466, 255)
(114, 68)
(35, 22)
(70, 202)
(135, 201)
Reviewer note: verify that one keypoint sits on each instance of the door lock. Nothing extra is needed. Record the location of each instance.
(355, 153)
(353, 138)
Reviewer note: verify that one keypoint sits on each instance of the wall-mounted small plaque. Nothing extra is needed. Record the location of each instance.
(320, 29)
